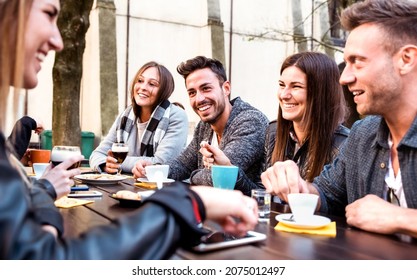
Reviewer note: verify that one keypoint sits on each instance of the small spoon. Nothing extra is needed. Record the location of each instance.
(290, 219)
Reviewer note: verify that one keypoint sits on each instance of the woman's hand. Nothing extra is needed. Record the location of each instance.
(139, 169)
(111, 164)
(235, 212)
(60, 177)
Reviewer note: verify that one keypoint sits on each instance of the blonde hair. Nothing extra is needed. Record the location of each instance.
(13, 15)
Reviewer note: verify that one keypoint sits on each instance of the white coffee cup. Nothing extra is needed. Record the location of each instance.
(303, 206)
(158, 172)
(39, 168)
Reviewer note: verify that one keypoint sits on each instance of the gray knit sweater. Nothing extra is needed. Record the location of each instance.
(242, 142)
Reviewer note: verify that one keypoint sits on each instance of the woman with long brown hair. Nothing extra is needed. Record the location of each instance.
(312, 108)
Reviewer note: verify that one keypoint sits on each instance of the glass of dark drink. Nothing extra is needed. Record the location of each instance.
(61, 153)
(119, 151)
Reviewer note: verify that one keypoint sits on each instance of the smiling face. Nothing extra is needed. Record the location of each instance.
(370, 72)
(146, 88)
(207, 98)
(42, 35)
(292, 94)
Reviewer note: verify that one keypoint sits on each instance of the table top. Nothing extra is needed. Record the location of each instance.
(349, 243)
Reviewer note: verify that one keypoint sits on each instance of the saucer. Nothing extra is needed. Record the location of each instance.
(145, 180)
(316, 221)
(100, 179)
(146, 194)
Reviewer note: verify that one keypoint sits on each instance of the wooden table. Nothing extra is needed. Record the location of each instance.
(349, 243)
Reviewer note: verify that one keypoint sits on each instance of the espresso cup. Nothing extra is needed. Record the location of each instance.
(224, 177)
(303, 206)
(39, 168)
(157, 172)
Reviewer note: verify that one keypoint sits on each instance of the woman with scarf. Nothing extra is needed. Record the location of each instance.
(154, 129)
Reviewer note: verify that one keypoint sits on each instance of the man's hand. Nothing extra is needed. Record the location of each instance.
(213, 155)
(283, 178)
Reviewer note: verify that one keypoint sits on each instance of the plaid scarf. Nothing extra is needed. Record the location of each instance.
(153, 133)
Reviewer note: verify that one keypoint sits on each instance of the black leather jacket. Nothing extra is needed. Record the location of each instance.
(339, 137)
(165, 222)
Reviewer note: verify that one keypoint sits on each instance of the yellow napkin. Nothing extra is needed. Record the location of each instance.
(329, 230)
(146, 185)
(68, 202)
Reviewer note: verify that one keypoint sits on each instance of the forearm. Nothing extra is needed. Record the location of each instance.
(21, 134)
(184, 164)
(99, 155)
(406, 222)
(44, 209)
(246, 185)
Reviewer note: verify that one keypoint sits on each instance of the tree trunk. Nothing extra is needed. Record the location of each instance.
(109, 108)
(325, 28)
(300, 40)
(73, 23)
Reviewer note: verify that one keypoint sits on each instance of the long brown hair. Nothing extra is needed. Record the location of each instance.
(13, 15)
(325, 110)
(166, 85)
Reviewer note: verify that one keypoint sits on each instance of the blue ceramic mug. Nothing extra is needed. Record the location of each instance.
(224, 177)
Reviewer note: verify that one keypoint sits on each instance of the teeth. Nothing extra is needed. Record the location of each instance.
(204, 108)
(289, 105)
(355, 93)
(40, 56)
(142, 95)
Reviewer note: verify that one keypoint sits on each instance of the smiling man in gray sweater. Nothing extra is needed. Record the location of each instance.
(235, 127)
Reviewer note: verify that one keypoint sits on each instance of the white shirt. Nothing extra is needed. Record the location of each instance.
(141, 128)
(393, 182)
(214, 141)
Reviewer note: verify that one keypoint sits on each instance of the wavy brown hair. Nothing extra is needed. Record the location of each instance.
(325, 110)
(200, 62)
(166, 85)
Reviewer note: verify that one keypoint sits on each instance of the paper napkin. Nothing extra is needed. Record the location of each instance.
(329, 230)
(146, 185)
(67, 202)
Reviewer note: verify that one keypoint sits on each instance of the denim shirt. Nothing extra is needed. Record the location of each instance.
(362, 163)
